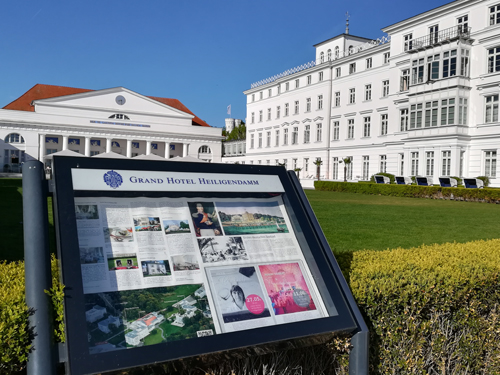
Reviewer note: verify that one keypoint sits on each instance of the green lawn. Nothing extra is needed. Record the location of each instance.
(349, 221)
(357, 221)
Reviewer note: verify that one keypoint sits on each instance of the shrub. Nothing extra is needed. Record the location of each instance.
(485, 180)
(391, 177)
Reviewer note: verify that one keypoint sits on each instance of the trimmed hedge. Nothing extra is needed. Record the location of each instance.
(431, 310)
(412, 191)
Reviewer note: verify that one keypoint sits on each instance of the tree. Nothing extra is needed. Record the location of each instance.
(239, 133)
(346, 162)
(297, 170)
(318, 162)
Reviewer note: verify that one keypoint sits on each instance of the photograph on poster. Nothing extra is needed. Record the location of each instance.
(222, 249)
(186, 262)
(118, 234)
(287, 288)
(147, 224)
(133, 318)
(155, 268)
(176, 226)
(86, 212)
(89, 255)
(238, 293)
(205, 219)
(251, 217)
(123, 262)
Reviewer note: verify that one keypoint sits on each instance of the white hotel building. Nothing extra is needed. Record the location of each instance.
(422, 100)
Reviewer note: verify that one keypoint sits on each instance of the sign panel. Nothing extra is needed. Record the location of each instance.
(168, 260)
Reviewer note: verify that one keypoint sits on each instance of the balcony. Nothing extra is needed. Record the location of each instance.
(437, 38)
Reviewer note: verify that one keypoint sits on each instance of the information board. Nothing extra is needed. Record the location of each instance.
(163, 260)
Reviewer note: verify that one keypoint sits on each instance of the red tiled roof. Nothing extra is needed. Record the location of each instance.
(39, 91)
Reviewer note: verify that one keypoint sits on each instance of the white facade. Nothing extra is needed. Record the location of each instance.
(48, 119)
(421, 101)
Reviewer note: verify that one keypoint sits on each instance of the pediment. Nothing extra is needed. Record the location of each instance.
(117, 100)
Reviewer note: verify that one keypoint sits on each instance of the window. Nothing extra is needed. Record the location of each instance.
(369, 63)
(408, 38)
(383, 163)
(268, 140)
(204, 150)
(93, 153)
(429, 163)
(260, 140)
(366, 168)
(319, 132)
(253, 117)
(349, 169)
(491, 109)
(252, 140)
(490, 163)
(385, 88)
(417, 71)
(307, 133)
(287, 86)
(296, 83)
(352, 68)
(286, 109)
(350, 129)
(306, 164)
(337, 52)
(269, 93)
(414, 163)
(433, 34)
(335, 168)
(261, 95)
(405, 80)
(120, 116)
(403, 119)
(384, 124)
(320, 76)
(463, 24)
(336, 130)
(366, 126)
(322, 57)
(450, 63)
(337, 72)
(260, 116)
(416, 116)
(447, 111)
(431, 114)
(279, 89)
(494, 60)
(14, 138)
(294, 163)
(278, 110)
(308, 105)
(295, 135)
(446, 171)
(387, 55)
(433, 67)
(268, 114)
(464, 62)
(253, 97)
(309, 79)
(352, 96)
(296, 107)
(320, 101)
(495, 14)
(276, 161)
(337, 99)
(285, 136)
(401, 164)
(329, 54)
(277, 135)
(368, 92)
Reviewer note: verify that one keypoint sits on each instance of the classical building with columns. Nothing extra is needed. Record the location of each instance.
(48, 119)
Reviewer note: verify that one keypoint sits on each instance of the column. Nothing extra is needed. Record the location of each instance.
(129, 148)
(167, 150)
(108, 144)
(148, 147)
(65, 142)
(87, 146)
(185, 150)
(42, 147)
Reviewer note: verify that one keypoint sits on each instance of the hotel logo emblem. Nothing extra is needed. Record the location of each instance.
(113, 179)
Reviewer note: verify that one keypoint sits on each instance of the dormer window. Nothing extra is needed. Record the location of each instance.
(119, 116)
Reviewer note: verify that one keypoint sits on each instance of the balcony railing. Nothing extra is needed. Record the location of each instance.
(438, 37)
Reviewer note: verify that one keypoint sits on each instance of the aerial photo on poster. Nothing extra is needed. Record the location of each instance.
(215, 249)
(147, 224)
(186, 262)
(176, 226)
(205, 219)
(251, 217)
(128, 319)
(287, 288)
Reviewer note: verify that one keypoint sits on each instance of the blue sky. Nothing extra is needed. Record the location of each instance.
(204, 53)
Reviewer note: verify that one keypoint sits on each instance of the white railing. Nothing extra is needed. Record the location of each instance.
(311, 64)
